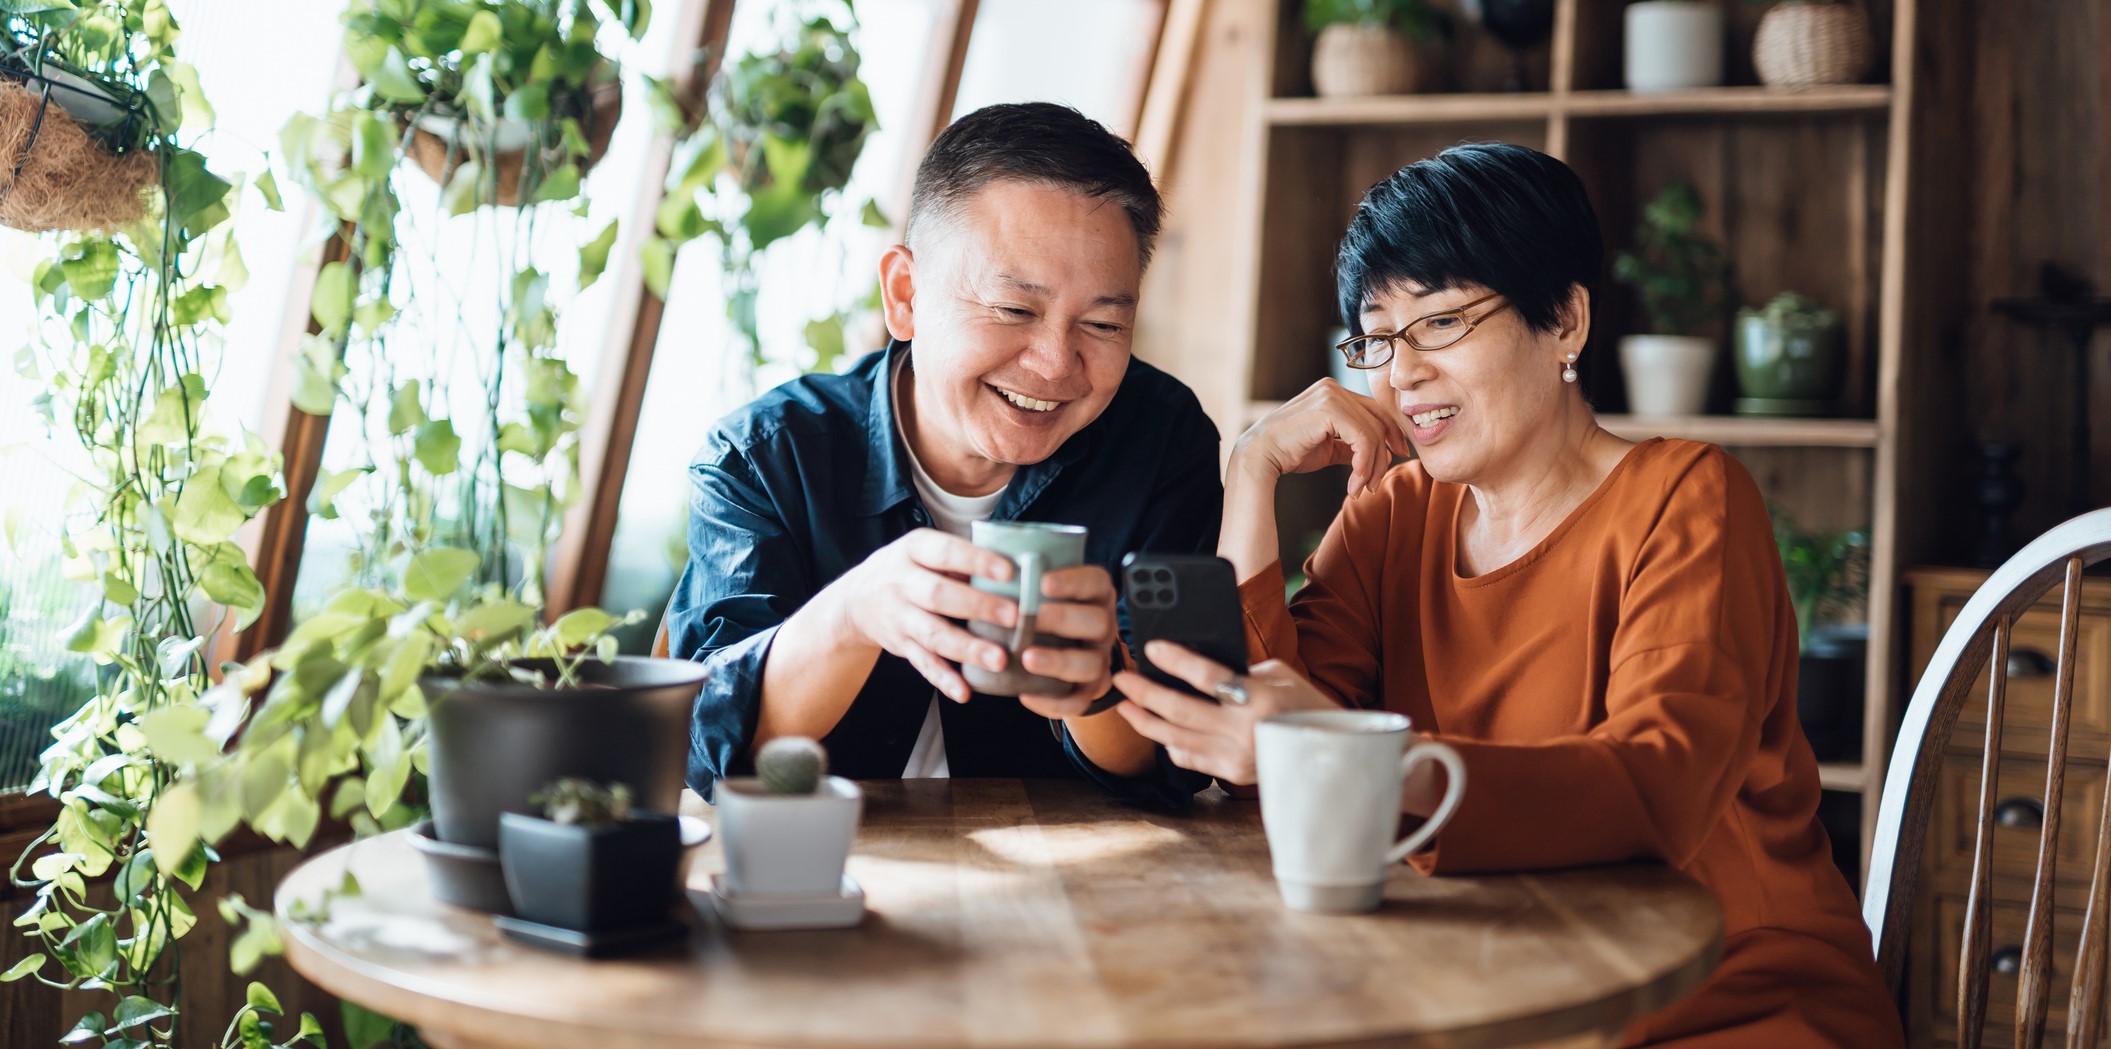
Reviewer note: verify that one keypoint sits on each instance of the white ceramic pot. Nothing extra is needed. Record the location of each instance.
(787, 844)
(1674, 44)
(1667, 374)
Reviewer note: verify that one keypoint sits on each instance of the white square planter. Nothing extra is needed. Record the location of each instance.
(786, 844)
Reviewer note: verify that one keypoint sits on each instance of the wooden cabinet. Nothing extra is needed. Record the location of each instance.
(1937, 594)
(1808, 190)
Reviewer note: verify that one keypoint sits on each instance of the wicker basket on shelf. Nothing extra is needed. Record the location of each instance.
(1810, 44)
(1350, 60)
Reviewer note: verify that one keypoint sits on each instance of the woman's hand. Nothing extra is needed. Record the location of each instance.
(1326, 425)
(1213, 738)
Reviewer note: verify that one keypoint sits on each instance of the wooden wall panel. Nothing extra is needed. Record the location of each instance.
(2035, 164)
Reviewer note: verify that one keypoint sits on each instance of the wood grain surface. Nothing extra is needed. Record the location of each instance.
(1036, 913)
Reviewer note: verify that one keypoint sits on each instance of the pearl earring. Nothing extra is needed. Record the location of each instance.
(1568, 371)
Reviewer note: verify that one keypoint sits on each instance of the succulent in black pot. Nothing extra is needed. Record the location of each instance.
(592, 866)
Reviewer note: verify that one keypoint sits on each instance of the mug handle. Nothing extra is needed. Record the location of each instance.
(1029, 601)
(1454, 788)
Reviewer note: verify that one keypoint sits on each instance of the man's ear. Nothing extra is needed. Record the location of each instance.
(898, 291)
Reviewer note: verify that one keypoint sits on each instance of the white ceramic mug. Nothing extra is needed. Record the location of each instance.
(1330, 800)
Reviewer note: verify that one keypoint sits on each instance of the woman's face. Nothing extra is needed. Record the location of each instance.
(1475, 406)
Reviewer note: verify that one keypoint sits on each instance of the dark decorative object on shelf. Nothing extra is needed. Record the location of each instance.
(2068, 304)
(1998, 491)
(1829, 690)
(1520, 25)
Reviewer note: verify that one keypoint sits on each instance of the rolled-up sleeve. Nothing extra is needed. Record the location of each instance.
(744, 578)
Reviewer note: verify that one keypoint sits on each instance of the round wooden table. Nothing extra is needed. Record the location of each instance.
(1016, 914)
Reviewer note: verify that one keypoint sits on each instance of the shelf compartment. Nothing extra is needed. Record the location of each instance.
(1383, 110)
(1438, 108)
(1846, 776)
(1750, 431)
(1870, 99)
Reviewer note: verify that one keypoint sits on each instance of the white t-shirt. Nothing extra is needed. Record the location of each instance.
(949, 513)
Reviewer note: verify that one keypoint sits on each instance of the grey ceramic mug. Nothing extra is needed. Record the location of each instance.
(1035, 549)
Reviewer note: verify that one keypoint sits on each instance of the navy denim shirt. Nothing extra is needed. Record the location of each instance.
(810, 479)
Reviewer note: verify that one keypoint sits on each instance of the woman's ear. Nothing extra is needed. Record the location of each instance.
(898, 291)
(1573, 321)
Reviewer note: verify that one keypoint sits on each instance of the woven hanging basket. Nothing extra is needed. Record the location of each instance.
(1349, 60)
(55, 176)
(431, 152)
(1807, 44)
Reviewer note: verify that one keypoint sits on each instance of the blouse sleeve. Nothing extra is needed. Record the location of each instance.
(1329, 632)
(1695, 666)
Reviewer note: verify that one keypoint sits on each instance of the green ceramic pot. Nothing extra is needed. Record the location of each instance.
(1788, 352)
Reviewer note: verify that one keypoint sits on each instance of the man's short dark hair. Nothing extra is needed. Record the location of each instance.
(1507, 218)
(1035, 142)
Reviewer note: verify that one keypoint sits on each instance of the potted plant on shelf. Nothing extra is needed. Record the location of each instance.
(787, 831)
(1810, 43)
(1828, 575)
(130, 306)
(1672, 45)
(590, 875)
(1788, 357)
(1678, 274)
(1372, 47)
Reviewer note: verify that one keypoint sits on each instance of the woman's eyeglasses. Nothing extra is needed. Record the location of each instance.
(1434, 332)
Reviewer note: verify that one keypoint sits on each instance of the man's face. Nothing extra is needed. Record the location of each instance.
(1021, 304)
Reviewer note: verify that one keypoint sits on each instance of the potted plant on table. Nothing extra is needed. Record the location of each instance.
(590, 875)
(1810, 43)
(787, 832)
(1788, 357)
(1679, 275)
(1372, 47)
(1828, 575)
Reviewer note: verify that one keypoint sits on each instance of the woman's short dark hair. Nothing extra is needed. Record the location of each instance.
(1507, 218)
(1036, 142)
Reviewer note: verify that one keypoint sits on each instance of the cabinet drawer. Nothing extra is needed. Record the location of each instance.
(2021, 797)
(2034, 644)
(2009, 919)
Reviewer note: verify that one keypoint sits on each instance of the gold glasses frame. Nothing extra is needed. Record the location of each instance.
(1361, 358)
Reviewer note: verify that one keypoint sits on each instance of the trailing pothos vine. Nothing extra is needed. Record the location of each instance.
(125, 344)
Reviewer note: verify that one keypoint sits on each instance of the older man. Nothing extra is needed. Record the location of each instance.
(828, 552)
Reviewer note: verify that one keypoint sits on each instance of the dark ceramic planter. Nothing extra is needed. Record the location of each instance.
(1829, 692)
(591, 879)
(496, 743)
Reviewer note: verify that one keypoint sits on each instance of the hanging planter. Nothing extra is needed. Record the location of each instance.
(57, 168)
(438, 147)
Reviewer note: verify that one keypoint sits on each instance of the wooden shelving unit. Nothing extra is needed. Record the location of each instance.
(1807, 189)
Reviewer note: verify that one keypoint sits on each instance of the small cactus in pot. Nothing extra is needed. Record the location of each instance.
(791, 765)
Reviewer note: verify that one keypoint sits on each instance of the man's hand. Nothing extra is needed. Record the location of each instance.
(1078, 605)
(904, 597)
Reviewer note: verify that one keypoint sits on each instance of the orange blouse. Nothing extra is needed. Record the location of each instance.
(1625, 690)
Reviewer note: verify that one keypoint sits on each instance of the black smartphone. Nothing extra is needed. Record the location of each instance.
(1190, 600)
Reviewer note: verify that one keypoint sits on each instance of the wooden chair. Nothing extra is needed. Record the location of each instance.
(1979, 640)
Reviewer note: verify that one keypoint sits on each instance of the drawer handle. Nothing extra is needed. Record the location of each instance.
(2008, 961)
(2020, 813)
(2029, 663)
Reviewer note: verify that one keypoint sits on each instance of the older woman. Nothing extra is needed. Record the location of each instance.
(1600, 628)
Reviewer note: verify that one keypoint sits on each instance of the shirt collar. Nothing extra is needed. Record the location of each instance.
(887, 482)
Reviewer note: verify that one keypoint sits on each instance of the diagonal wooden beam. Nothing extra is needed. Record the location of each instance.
(1165, 93)
(579, 564)
(956, 60)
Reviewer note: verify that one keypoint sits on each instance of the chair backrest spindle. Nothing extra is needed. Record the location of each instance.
(1980, 638)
